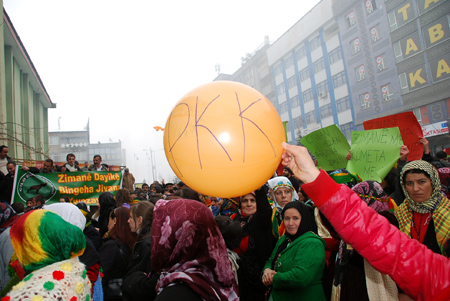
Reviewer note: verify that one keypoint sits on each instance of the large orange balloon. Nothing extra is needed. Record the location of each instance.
(224, 139)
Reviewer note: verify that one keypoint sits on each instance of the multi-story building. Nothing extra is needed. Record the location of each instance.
(23, 99)
(77, 143)
(348, 61)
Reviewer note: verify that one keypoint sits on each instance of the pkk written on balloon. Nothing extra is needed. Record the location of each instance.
(329, 146)
(374, 153)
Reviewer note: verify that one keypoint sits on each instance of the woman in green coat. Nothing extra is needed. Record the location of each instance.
(294, 270)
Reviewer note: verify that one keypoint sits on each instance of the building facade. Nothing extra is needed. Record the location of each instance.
(348, 61)
(24, 101)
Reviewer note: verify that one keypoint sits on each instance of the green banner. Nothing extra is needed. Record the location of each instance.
(77, 186)
(374, 153)
(329, 146)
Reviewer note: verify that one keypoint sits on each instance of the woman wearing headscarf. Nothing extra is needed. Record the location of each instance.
(46, 259)
(115, 252)
(425, 214)
(295, 268)
(190, 253)
(256, 244)
(106, 204)
(282, 193)
(7, 218)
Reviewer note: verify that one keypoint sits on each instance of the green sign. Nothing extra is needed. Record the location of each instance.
(374, 153)
(329, 146)
(77, 186)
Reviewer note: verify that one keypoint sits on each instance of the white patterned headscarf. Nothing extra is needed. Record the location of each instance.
(278, 182)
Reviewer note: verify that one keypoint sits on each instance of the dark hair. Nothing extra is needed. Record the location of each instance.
(181, 185)
(39, 198)
(18, 207)
(97, 156)
(156, 197)
(188, 193)
(441, 155)
(66, 199)
(145, 210)
(82, 206)
(415, 171)
(288, 169)
(145, 184)
(2, 147)
(123, 196)
(231, 231)
(69, 155)
(49, 161)
(11, 162)
(121, 229)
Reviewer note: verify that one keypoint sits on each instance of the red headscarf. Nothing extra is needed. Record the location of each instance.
(188, 247)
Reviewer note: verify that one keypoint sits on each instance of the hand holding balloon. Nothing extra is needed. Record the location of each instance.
(298, 159)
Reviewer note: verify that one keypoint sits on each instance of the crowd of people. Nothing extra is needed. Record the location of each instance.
(307, 234)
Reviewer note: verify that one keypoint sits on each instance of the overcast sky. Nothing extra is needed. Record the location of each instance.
(125, 64)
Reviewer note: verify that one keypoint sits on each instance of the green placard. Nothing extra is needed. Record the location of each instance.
(77, 186)
(374, 153)
(329, 146)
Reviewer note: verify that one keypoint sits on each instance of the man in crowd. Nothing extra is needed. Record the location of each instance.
(70, 165)
(287, 172)
(145, 190)
(98, 166)
(85, 167)
(6, 183)
(128, 180)
(4, 159)
(47, 168)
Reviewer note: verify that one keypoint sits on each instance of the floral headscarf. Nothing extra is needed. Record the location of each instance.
(436, 196)
(373, 194)
(278, 182)
(188, 247)
(7, 217)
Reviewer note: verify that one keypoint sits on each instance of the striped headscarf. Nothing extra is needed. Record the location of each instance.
(436, 196)
(41, 237)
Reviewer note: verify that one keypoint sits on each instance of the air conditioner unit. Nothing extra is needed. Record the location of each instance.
(322, 94)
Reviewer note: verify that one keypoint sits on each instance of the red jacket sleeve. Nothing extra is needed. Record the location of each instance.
(422, 274)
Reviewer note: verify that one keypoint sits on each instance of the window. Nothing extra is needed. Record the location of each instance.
(291, 82)
(280, 89)
(304, 74)
(298, 122)
(343, 104)
(380, 63)
(371, 6)
(374, 34)
(311, 117)
(289, 62)
(322, 88)
(339, 79)
(315, 43)
(53, 140)
(335, 55)
(346, 129)
(364, 99)
(295, 101)
(277, 70)
(266, 81)
(350, 19)
(360, 73)
(283, 107)
(319, 65)
(386, 92)
(355, 46)
(326, 111)
(308, 95)
(301, 53)
(418, 115)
